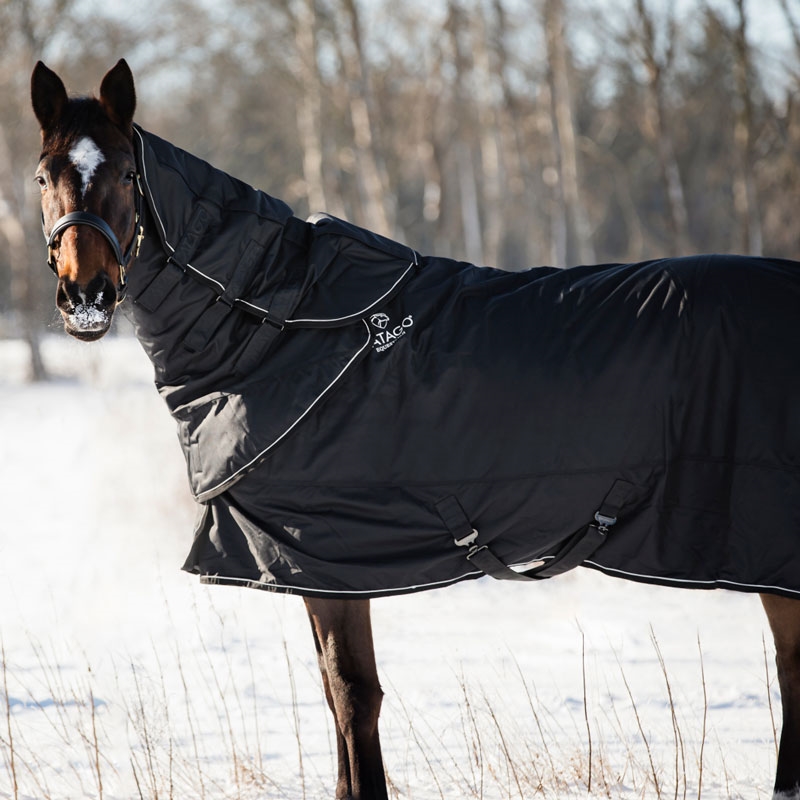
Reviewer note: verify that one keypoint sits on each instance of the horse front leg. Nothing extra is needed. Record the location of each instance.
(784, 620)
(343, 638)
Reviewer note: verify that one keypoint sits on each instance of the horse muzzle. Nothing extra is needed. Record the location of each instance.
(87, 311)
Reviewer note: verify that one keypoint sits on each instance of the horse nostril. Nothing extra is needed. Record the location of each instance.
(63, 300)
(101, 292)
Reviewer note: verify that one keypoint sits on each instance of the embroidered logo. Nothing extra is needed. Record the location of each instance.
(387, 334)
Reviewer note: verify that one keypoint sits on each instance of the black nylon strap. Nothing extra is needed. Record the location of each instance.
(455, 518)
(614, 500)
(260, 342)
(154, 294)
(488, 562)
(580, 546)
(195, 228)
(209, 321)
(297, 234)
(205, 326)
(457, 522)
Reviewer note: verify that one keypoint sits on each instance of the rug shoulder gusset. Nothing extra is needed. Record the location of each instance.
(351, 273)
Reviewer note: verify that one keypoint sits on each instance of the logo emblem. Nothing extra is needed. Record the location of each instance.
(380, 321)
(387, 334)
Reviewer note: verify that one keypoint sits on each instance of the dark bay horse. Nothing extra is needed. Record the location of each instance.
(93, 223)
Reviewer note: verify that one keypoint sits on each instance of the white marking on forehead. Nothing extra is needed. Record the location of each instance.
(86, 157)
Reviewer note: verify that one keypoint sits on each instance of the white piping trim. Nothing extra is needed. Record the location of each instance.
(154, 209)
(150, 192)
(364, 310)
(355, 314)
(307, 589)
(434, 584)
(207, 277)
(688, 582)
(252, 305)
(249, 464)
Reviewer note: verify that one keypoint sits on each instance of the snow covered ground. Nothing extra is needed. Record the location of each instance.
(122, 677)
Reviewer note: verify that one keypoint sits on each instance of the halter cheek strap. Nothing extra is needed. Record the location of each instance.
(99, 224)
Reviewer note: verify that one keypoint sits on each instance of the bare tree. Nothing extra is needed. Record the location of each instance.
(745, 192)
(490, 139)
(377, 203)
(517, 177)
(577, 241)
(657, 129)
(463, 134)
(792, 24)
(22, 37)
(309, 104)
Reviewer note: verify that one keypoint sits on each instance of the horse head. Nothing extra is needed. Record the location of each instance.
(90, 194)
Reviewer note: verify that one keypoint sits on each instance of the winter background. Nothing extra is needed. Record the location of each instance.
(123, 677)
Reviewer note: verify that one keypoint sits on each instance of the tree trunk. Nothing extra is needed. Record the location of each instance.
(490, 143)
(309, 106)
(744, 185)
(377, 205)
(579, 247)
(464, 137)
(657, 129)
(792, 24)
(470, 213)
(12, 229)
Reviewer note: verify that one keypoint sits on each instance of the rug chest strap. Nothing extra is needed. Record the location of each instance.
(256, 348)
(209, 321)
(154, 294)
(580, 546)
(296, 233)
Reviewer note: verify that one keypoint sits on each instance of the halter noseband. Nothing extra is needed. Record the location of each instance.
(99, 224)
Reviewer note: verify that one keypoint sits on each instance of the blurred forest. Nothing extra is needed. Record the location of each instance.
(505, 132)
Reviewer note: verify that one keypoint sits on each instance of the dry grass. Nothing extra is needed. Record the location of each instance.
(497, 751)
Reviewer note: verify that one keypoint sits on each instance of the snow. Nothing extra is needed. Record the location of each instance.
(88, 318)
(126, 678)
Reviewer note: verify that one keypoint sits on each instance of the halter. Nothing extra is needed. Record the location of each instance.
(99, 224)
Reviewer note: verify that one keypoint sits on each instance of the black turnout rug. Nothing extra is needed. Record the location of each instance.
(360, 420)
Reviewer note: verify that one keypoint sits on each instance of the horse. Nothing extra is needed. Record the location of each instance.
(95, 219)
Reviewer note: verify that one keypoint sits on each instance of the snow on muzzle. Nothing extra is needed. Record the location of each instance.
(87, 312)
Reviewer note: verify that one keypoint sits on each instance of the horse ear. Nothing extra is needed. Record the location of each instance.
(118, 96)
(48, 95)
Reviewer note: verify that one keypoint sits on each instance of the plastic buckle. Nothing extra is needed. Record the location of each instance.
(604, 522)
(468, 540)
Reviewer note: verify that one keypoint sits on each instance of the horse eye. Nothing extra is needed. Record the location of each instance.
(40, 179)
(130, 176)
